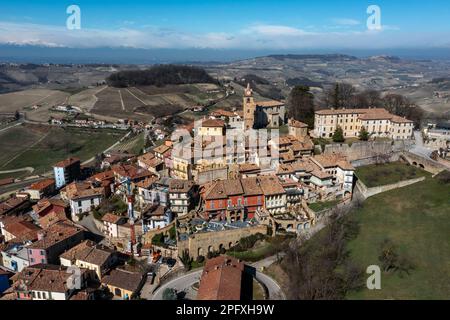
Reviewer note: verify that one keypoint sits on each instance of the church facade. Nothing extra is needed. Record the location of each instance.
(262, 114)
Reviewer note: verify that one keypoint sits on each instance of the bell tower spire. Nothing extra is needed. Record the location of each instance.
(249, 108)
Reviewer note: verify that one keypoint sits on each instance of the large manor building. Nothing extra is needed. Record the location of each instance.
(262, 114)
(377, 121)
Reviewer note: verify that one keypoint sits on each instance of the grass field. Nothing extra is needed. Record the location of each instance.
(417, 220)
(133, 145)
(146, 102)
(383, 174)
(41, 146)
(319, 206)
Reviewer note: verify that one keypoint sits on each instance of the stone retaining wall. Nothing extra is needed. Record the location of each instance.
(369, 192)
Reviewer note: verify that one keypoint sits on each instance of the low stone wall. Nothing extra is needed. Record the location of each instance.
(202, 242)
(392, 157)
(368, 149)
(369, 192)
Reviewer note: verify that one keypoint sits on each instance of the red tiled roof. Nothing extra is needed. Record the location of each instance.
(41, 185)
(56, 233)
(270, 103)
(22, 228)
(111, 218)
(221, 279)
(297, 124)
(67, 162)
(212, 123)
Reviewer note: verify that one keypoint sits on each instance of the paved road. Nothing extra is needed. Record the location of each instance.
(187, 280)
(29, 169)
(12, 126)
(12, 188)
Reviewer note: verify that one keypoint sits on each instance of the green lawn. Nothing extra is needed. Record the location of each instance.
(42, 148)
(383, 174)
(417, 220)
(319, 206)
(256, 254)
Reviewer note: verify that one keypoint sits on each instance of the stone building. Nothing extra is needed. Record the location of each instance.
(210, 237)
(262, 114)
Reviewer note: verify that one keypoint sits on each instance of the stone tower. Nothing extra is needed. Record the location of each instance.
(249, 108)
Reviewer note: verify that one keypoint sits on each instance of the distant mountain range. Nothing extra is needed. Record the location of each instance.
(122, 55)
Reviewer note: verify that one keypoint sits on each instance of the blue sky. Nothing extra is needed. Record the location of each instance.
(227, 24)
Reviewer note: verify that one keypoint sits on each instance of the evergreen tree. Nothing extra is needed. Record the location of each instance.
(301, 105)
(338, 135)
(169, 294)
(363, 134)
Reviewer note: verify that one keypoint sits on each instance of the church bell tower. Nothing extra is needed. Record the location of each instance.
(249, 108)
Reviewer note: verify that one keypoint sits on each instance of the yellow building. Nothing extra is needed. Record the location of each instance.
(123, 284)
(377, 121)
(297, 128)
(211, 127)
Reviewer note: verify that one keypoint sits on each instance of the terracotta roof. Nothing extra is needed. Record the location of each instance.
(221, 112)
(78, 190)
(123, 279)
(73, 252)
(180, 186)
(270, 103)
(51, 218)
(67, 162)
(44, 278)
(221, 279)
(162, 149)
(331, 161)
(245, 167)
(222, 189)
(212, 123)
(23, 229)
(101, 176)
(399, 119)
(147, 182)
(87, 251)
(42, 184)
(131, 171)
(297, 124)
(43, 204)
(150, 160)
(270, 185)
(56, 233)
(321, 174)
(11, 204)
(112, 218)
(347, 111)
(251, 186)
(366, 114)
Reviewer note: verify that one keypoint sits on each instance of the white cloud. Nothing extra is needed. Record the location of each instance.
(259, 36)
(275, 30)
(346, 22)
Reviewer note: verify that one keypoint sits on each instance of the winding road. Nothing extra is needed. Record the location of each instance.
(187, 280)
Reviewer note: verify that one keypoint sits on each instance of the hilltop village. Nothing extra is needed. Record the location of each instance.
(131, 223)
